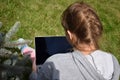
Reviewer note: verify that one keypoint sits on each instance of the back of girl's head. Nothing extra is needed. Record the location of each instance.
(82, 21)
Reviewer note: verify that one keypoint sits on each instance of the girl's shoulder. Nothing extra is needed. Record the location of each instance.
(59, 57)
(102, 54)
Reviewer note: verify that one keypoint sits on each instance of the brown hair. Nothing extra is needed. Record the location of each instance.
(81, 20)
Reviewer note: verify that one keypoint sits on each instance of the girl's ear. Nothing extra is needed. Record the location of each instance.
(69, 34)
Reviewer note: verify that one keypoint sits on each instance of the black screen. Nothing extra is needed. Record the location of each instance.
(47, 46)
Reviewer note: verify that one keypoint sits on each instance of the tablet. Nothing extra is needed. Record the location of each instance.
(47, 46)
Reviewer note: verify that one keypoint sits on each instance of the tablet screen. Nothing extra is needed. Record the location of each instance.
(47, 46)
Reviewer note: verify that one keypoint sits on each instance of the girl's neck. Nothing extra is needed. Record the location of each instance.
(86, 49)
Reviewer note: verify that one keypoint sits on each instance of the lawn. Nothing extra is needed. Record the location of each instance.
(42, 18)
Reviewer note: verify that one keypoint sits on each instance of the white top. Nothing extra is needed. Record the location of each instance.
(103, 63)
(69, 66)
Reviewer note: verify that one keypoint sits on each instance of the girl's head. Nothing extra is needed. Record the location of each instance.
(81, 24)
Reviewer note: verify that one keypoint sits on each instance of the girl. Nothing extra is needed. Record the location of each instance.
(83, 29)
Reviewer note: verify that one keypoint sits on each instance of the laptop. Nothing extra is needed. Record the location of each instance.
(48, 46)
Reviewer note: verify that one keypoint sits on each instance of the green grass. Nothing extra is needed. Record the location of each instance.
(42, 18)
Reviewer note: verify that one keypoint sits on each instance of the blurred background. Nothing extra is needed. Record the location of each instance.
(42, 18)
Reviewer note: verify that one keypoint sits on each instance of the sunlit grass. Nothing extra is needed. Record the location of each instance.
(42, 18)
